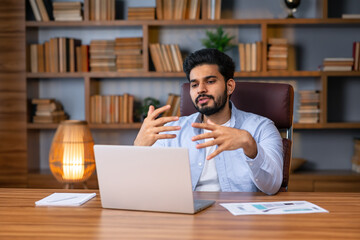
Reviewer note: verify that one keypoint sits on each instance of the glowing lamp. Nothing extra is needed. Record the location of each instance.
(71, 155)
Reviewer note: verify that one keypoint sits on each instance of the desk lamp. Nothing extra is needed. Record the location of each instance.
(71, 155)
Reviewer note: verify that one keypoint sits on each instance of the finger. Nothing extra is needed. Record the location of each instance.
(154, 114)
(203, 136)
(206, 144)
(165, 136)
(214, 154)
(167, 129)
(163, 120)
(204, 126)
(151, 110)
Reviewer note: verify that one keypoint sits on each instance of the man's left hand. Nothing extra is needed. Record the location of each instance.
(226, 138)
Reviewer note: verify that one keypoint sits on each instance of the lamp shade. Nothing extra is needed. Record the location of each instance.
(71, 155)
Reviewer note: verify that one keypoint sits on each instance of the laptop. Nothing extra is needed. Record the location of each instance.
(146, 179)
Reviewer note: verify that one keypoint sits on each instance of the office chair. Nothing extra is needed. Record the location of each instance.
(272, 100)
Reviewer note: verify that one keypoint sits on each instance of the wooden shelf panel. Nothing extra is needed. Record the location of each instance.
(170, 23)
(300, 126)
(153, 74)
(342, 74)
(39, 126)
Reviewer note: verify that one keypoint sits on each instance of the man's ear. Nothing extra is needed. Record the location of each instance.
(230, 86)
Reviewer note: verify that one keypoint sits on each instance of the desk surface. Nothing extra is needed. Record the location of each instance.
(20, 219)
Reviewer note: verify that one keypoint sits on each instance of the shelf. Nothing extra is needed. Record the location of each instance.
(168, 74)
(294, 21)
(299, 126)
(342, 74)
(44, 126)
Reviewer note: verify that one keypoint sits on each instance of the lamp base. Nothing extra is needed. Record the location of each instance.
(72, 185)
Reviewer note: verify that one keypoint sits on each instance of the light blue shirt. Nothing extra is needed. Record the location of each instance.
(236, 172)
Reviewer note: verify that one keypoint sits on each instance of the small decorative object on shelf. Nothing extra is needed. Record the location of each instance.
(292, 6)
(219, 40)
(71, 155)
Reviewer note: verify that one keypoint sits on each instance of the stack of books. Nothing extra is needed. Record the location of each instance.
(112, 108)
(338, 64)
(102, 10)
(250, 56)
(141, 13)
(174, 101)
(58, 55)
(278, 54)
(177, 9)
(166, 57)
(309, 109)
(67, 11)
(356, 157)
(48, 111)
(42, 10)
(128, 53)
(102, 56)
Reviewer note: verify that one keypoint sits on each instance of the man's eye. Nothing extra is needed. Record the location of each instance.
(211, 81)
(193, 85)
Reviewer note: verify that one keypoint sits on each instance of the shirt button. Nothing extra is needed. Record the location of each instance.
(256, 179)
(200, 163)
(250, 164)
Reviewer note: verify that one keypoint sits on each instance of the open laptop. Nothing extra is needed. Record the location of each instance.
(146, 179)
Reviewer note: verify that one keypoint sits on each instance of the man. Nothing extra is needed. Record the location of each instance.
(229, 150)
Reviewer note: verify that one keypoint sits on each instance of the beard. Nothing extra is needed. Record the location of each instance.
(219, 104)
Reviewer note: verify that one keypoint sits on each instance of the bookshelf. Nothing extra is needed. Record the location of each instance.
(176, 31)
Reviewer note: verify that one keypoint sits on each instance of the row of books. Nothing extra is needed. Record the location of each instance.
(338, 64)
(250, 56)
(141, 13)
(166, 57)
(116, 55)
(309, 107)
(45, 10)
(174, 101)
(48, 111)
(112, 108)
(102, 10)
(59, 55)
(177, 9)
(277, 58)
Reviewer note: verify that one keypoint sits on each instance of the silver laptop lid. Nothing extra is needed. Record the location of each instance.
(144, 178)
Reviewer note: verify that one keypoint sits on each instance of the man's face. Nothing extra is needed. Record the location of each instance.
(208, 89)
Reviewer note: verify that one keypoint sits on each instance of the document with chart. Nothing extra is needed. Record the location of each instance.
(289, 207)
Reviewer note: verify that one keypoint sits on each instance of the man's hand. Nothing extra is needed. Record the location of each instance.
(151, 127)
(226, 138)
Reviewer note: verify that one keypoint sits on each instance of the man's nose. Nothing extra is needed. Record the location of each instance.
(202, 88)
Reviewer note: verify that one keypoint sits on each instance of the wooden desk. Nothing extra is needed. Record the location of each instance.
(20, 219)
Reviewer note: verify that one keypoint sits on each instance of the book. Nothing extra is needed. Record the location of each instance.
(65, 199)
(35, 10)
(350, 16)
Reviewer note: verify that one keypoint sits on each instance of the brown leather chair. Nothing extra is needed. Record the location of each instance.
(272, 100)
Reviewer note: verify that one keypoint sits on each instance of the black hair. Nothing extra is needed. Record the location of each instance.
(210, 56)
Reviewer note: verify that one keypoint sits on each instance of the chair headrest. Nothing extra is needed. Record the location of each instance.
(272, 100)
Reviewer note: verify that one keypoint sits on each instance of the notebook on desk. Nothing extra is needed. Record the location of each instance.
(146, 179)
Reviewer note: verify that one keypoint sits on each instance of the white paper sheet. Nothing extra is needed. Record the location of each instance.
(289, 207)
(65, 199)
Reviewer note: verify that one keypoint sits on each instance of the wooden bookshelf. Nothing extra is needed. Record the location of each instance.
(28, 31)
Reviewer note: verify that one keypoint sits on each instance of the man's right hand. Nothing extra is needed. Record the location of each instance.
(152, 127)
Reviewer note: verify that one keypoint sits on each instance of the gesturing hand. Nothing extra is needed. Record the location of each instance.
(151, 127)
(226, 138)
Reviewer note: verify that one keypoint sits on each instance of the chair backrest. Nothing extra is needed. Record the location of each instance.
(272, 100)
